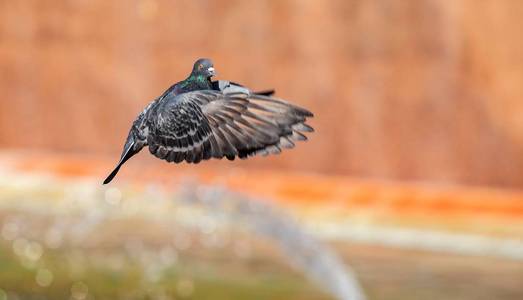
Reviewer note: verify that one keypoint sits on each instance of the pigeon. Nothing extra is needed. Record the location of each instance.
(198, 119)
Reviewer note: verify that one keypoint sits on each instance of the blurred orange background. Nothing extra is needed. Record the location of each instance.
(419, 90)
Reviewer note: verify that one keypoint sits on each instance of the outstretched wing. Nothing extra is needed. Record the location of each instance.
(199, 125)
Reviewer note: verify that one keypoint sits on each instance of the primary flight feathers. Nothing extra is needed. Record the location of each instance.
(198, 119)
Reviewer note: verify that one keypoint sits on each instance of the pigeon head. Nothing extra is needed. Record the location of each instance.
(203, 67)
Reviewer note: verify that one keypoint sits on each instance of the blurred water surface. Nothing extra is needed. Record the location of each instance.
(65, 238)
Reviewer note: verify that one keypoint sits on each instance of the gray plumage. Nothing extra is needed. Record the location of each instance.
(228, 121)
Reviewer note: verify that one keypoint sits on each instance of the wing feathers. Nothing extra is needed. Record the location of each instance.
(226, 125)
(264, 126)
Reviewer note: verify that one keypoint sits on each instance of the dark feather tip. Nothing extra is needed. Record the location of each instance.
(265, 92)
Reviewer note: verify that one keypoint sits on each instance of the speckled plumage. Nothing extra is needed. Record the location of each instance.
(198, 119)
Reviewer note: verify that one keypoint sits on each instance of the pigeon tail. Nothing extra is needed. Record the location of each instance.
(129, 152)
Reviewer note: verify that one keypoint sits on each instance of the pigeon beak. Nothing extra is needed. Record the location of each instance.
(211, 71)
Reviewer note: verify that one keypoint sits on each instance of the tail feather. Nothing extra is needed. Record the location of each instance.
(128, 153)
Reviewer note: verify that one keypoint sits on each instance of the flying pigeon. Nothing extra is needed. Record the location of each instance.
(197, 119)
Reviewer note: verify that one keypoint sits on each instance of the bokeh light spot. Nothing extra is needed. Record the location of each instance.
(79, 291)
(44, 277)
(19, 246)
(33, 251)
(10, 231)
(113, 196)
(53, 238)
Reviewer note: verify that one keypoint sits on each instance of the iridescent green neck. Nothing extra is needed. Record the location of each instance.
(193, 78)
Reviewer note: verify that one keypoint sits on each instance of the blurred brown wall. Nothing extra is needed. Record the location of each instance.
(419, 89)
